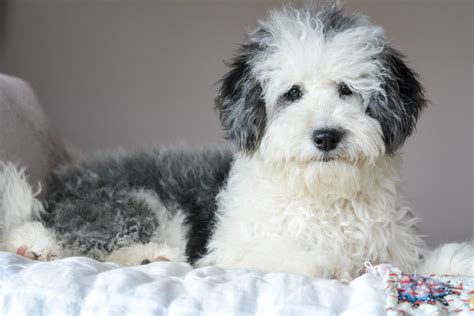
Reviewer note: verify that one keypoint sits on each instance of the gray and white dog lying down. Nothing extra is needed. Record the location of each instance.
(317, 105)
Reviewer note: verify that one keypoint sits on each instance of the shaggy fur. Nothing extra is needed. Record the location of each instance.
(286, 201)
(160, 198)
(16, 194)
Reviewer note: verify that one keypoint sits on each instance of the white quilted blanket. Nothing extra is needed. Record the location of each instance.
(81, 286)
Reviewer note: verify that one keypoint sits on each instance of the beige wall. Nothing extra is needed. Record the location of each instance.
(131, 73)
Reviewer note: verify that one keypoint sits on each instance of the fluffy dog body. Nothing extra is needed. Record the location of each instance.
(317, 105)
(109, 208)
(270, 221)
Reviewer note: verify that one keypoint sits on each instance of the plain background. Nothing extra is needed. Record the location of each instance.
(134, 73)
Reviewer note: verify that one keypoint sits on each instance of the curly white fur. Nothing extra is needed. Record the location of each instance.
(17, 198)
(289, 206)
(19, 212)
(316, 220)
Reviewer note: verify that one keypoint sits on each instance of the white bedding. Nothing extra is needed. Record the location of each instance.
(81, 286)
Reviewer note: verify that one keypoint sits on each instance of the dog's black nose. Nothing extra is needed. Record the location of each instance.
(327, 139)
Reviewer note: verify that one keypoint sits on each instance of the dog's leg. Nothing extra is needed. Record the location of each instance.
(32, 240)
(18, 203)
(452, 259)
(21, 231)
(138, 254)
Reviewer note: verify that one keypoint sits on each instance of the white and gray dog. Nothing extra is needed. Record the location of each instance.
(317, 104)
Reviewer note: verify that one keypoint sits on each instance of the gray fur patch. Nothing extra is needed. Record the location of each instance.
(240, 103)
(93, 206)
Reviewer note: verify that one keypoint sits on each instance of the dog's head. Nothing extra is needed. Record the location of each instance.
(318, 85)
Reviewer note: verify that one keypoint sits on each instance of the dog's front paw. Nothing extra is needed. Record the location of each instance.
(35, 254)
(140, 254)
(33, 241)
(159, 258)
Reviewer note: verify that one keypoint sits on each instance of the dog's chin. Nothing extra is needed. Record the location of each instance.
(328, 158)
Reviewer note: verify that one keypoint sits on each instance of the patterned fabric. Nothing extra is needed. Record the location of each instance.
(425, 295)
(417, 290)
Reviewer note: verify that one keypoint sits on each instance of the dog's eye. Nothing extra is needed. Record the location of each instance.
(295, 93)
(344, 90)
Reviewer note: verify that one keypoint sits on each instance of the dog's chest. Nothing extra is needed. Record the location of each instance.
(267, 229)
(310, 221)
(273, 226)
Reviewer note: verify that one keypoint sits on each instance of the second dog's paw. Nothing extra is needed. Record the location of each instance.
(40, 255)
(159, 258)
(140, 254)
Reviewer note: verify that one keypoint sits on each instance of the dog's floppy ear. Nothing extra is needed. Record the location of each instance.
(240, 102)
(398, 110)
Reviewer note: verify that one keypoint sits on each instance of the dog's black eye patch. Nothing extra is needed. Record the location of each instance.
(294, 94)
(344, 89)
